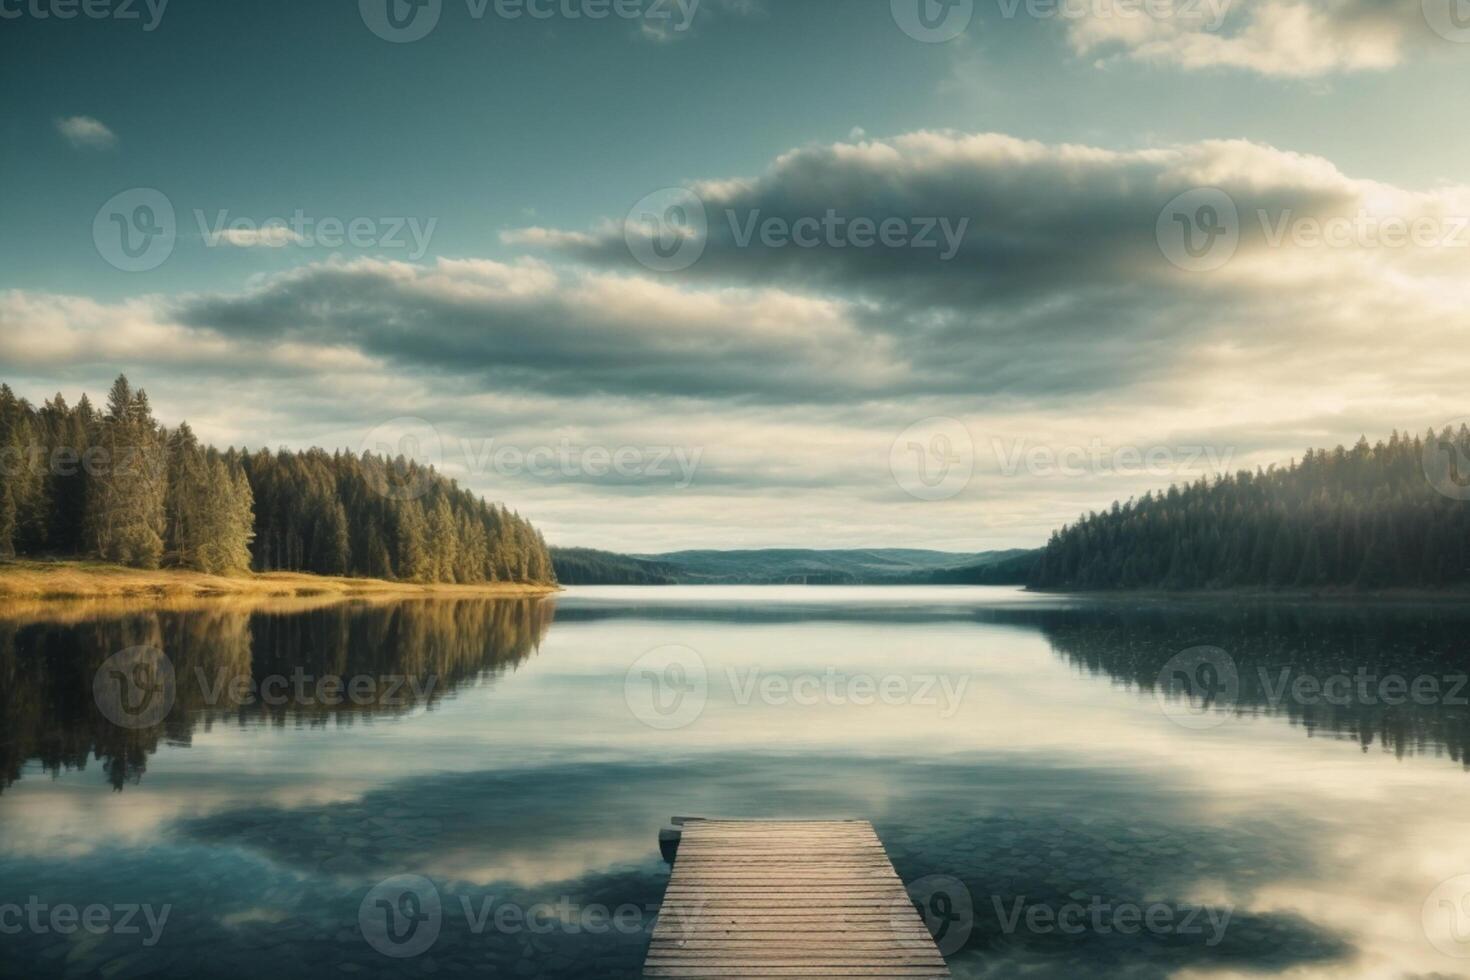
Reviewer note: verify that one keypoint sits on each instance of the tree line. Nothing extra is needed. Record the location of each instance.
(116, 485)
(1392, 514)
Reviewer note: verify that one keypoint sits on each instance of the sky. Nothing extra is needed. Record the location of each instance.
(666, 274)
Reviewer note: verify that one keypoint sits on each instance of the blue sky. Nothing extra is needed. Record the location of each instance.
(791, 374)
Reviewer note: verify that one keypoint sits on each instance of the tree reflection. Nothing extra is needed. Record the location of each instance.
(1395, 676)
(245, 664)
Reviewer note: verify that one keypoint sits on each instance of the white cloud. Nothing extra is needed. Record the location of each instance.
(663, 24)
(84, 131)
(266, 236)
(538, 237)
(1287, 38)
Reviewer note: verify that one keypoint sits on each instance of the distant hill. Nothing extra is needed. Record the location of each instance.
(1006, 568)
(584, 566)
(1390, 515)
(777, 566)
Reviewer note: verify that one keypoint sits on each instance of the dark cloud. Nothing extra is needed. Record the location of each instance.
(527, 326)
(1038, 220)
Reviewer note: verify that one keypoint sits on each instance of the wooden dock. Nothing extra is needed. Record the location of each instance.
(786, 898)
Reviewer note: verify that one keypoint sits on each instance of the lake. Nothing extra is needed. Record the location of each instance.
(1110, 788)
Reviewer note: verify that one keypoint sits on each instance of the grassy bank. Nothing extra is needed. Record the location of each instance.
(36, 580)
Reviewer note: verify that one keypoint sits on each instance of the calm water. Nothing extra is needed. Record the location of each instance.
(1056, 810)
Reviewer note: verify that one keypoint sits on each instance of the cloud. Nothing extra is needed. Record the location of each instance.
(527, 324)
(266, 236)
(85, 132)
(1060, 287)
(1036, 217)
(1285, 38)
(1059, 290)
(1060, 323)
(664, 24)
(40, 331)
(538, 237)
(1061, 284)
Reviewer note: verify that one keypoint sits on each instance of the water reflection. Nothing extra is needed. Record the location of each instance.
(242, 663)
(1057, 782)
(1395, 675)
(287, 882)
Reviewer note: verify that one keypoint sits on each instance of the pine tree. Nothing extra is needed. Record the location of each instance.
(1373, 516)
(414, 562)
(7, 522)
(116, 485)
(126, 498)
(332, 551)
(1312, 570)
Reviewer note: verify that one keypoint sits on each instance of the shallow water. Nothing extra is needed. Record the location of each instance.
(1066, 794)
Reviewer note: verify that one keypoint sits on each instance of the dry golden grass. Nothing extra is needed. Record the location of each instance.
(35, 580)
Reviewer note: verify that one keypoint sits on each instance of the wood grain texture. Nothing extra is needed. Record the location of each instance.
(787, 898)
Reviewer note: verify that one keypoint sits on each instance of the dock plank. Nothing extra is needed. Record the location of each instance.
(787, 898)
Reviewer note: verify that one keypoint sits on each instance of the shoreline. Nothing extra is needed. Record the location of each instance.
(1256, 595)
(36, 580)
(1118, 595)
(46, 581)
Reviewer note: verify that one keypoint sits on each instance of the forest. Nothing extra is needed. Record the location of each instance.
(113, 484)
(1391, 514)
